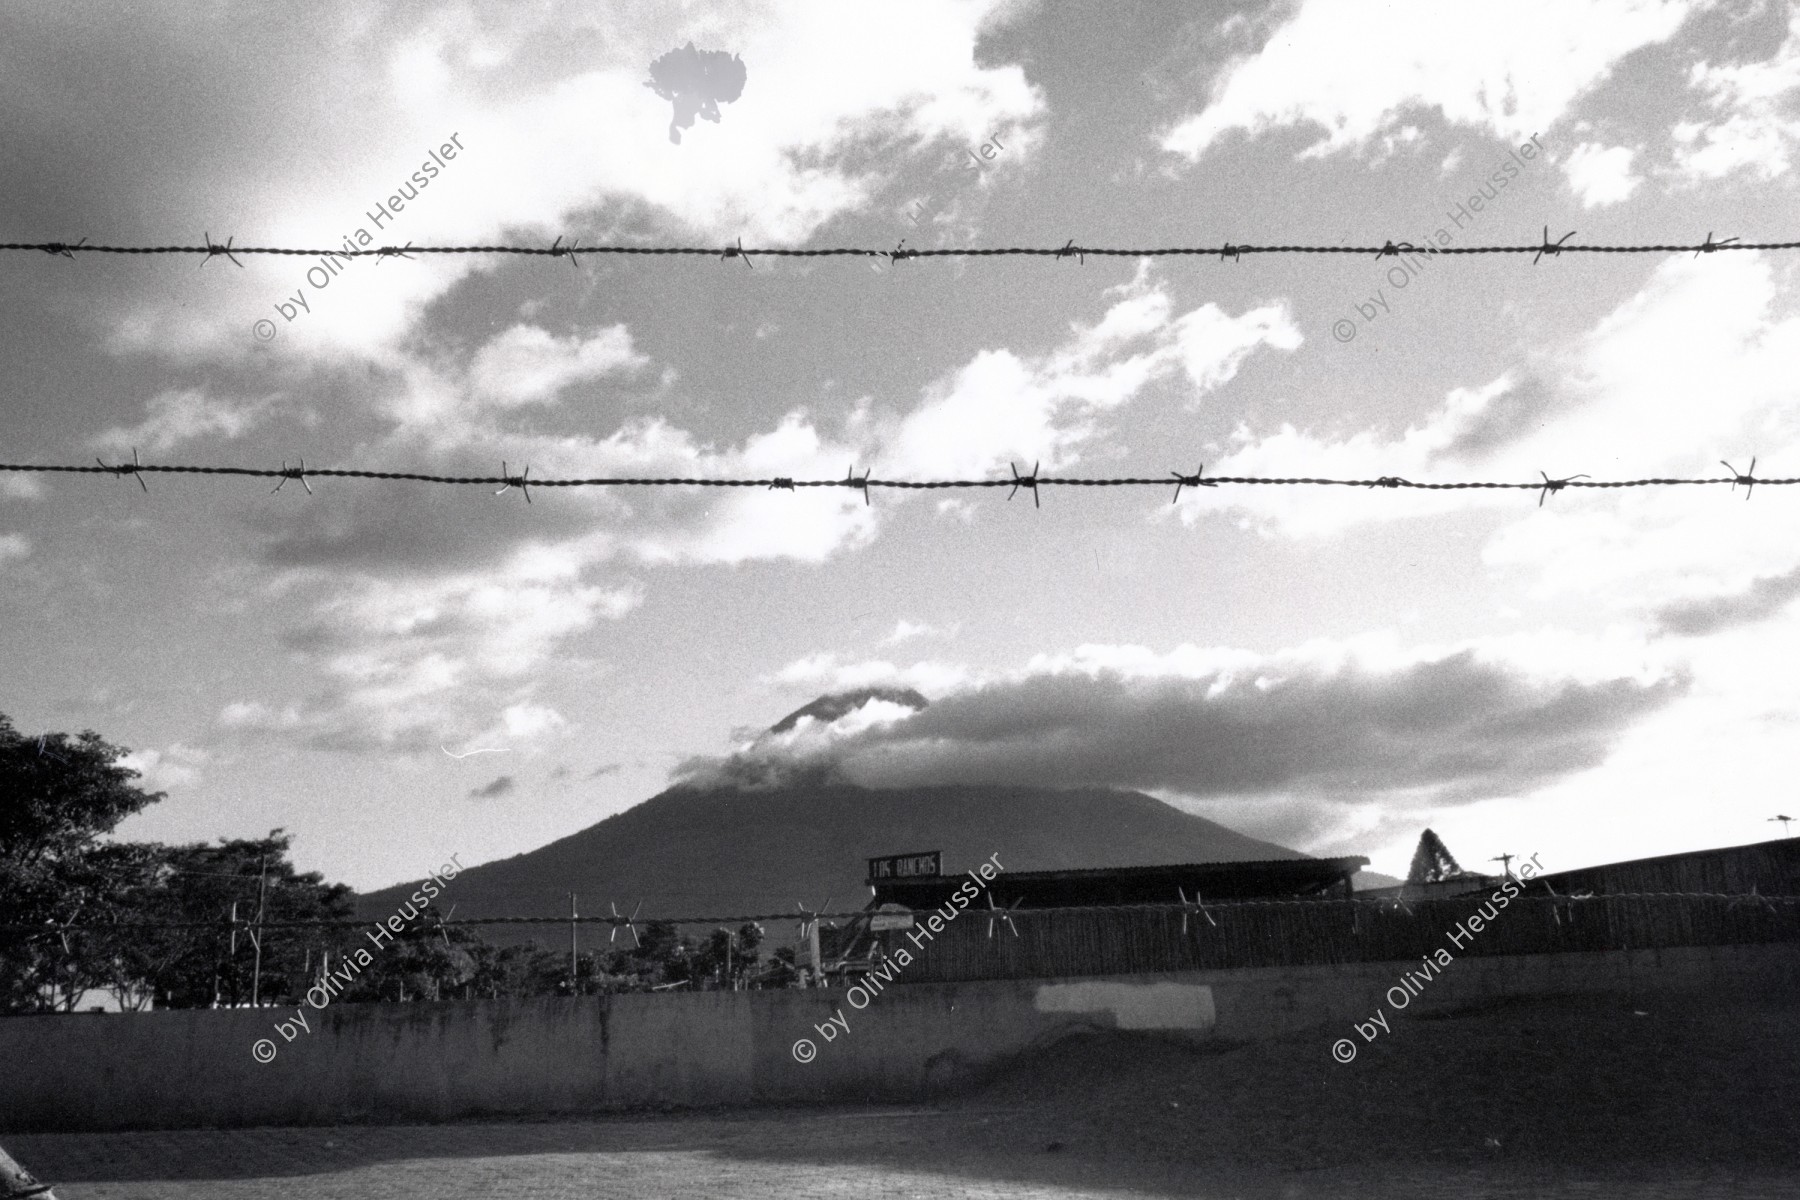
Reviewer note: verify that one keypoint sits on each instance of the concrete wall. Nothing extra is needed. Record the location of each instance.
(413, 1062)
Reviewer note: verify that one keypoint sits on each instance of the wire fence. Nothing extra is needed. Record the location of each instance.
(1226, 250)
(1544, 486)
(1054, 943)
(1200, 909)
(976, 943)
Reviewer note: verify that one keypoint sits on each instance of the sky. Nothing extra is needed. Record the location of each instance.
(1595, 678)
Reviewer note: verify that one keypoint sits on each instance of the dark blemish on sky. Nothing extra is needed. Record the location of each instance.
(696, 82)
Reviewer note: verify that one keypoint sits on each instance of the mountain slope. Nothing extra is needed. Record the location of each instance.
(724, 851)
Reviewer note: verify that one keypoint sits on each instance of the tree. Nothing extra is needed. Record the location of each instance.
(190, 968)
(57, 797)
(728, 956)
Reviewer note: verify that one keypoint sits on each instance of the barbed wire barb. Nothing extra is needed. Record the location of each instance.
(850, 480)
(61, 250)
(1070, 248)
(1554, 485)
(1193, 480)
(558, 250)
(1747, 478)
(1025, 481)
(1553, 249)
(737, 251)
(135, 469)
(288, 473)
(519, 481)
(1194, 906)
(628, 922)
(1002, 914)
(387, 252)
(1752, 898)
(213, 250)
(808, 917)
(1708, 246)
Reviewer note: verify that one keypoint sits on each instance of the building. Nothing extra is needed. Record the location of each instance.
(1299, 912)
(1766, 868)
(1087, 939)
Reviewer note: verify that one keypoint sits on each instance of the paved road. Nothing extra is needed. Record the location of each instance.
(886, 1153)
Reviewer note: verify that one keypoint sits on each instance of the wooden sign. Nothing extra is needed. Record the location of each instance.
(907, 866)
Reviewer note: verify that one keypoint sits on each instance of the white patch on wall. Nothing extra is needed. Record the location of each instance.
(1134, 1005)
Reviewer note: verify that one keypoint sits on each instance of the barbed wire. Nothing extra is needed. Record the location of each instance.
(1545, 486)
(1386, 902)
(1227, 250)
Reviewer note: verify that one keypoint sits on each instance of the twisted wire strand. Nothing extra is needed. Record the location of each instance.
(1389, 903)
(861, 482)
(1232, 250)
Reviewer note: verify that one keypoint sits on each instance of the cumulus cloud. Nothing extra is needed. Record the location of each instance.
(1357, 70)
(20, 487)
(1695, 368)
(182, 415)
(528, 365)
(825, 671)
(1702, 615)
(998, 407)
(398, 656)
(1334, 723)
(1600, 175)
(1005, 408)
(906, 631)
(179, 765)
(1753, 126)
(518, 86)
(422, 606)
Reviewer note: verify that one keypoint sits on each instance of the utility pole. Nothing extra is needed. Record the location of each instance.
(262, 884)
(234, 983)
(1505, 861)
(1784, 819)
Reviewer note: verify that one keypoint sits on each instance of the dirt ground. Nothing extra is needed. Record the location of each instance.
(1579, 1098)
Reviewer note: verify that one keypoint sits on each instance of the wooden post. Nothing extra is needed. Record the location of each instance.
(262, 885)
(17, 1182)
